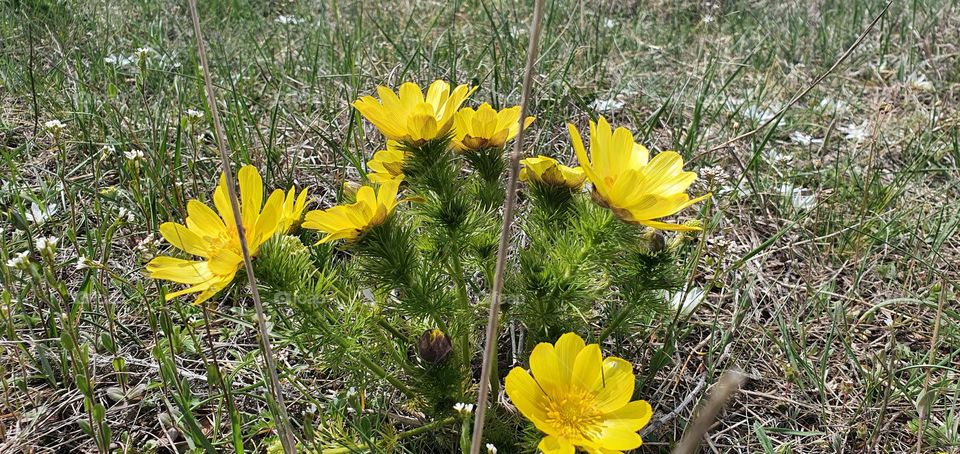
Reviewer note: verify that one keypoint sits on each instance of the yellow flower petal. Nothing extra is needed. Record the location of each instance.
(203, 220)
(184, 239)
(620, 440)
(615, 387)
(251, 195)
(587, 367)
(527, 396)
(632, 416)
(178, 270)
(546, 368)
(568, 347)
(555, 445)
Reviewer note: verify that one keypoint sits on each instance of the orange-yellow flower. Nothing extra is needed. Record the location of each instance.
(578, 399)
(348, 222)
(212, 235)
(485, 127)
(409, 117)
(636, 188)
(543, 169)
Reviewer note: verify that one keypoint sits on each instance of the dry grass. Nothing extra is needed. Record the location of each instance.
(832, 321)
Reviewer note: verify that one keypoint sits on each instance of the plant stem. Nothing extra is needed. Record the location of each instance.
(509, 204)
(283, 420)
(464, 338)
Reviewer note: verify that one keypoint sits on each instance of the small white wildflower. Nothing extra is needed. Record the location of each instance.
(609, 23)
(20, 260)
(685, 300)
(715, 175)
(491, 449)
(128, 215)
(463, 409)
(144, 52)
(352, 391)
(802, 199)
(709, 19)
(919, 82)
(288, 20)
(54, 126)
(118, 60)
(776, 157)
(133, 154)
(84, 262)
(804, 139)
(193, 113)
(47, 245)
(38, 215)
(856, 132)
(610, 105)
(149, 242)
(107, 150)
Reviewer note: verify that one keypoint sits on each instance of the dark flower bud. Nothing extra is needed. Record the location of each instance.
(434, 346)
(655, 241)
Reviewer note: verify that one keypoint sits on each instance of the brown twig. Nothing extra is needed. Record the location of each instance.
(729, 383)
(283, 421)
(509, 204)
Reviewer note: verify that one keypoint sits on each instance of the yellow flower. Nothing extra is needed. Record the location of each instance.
(410, 117)
(292, 211)
(386, 164)
(485, 127)
(350, 221)
(548, 171)
(579, 399)
(212, 235)
(625, 180)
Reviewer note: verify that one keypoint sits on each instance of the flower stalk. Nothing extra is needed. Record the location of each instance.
(280, 411)
(492, 331)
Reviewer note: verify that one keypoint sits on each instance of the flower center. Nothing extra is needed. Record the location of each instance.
(573, 413)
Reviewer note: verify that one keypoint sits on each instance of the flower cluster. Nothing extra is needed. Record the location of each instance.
(424, 269)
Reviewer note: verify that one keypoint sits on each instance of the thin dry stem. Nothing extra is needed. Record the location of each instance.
(729, 383)
(509, 203)
(283, 421)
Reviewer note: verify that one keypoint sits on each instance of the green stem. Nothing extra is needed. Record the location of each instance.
(464, 338)
(374, 368)
(621, 317)
(426, 427)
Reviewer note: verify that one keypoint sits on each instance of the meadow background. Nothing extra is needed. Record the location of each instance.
(827, 254)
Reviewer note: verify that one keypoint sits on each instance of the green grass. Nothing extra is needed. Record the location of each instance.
(829, 309)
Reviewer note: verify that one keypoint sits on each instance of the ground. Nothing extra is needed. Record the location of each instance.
(829, 261)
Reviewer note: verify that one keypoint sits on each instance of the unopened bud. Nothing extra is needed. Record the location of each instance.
(655, 241)
(434, 346)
